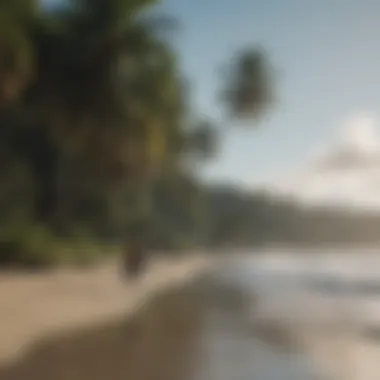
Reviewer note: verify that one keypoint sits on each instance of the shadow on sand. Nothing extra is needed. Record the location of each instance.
(165, 340)
(160, 343)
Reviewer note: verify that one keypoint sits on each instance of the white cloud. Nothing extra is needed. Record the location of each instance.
(359, 133)
(345, 171)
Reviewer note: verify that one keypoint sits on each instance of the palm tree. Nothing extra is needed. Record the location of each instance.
(248, 89)
(100, 85)
(106, 88)
(113, 88)
(16, 50)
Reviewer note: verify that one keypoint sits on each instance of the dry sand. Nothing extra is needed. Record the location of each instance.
(33, 306)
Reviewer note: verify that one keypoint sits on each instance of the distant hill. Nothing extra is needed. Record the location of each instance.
(258, 218)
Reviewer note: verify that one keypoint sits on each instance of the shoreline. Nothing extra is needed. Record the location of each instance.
(38, 306)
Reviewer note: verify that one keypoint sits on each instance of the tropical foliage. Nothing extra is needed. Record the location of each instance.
(95, 118)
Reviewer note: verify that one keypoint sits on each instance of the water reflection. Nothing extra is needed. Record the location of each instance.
(331, 309)
(200, 332)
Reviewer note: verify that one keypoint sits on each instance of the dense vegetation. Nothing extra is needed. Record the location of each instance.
(242, 219)
(97, 131)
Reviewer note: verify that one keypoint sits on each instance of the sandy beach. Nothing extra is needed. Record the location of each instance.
(33, 306)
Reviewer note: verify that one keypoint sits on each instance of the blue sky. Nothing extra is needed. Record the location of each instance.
(327, 57)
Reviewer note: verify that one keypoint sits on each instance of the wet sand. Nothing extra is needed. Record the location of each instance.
(202, 330)
(34, 306)
(348, 355)
(197, 331)
(157, 344)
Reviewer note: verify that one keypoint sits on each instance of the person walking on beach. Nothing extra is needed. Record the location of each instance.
(133, 260)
